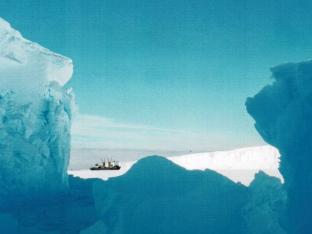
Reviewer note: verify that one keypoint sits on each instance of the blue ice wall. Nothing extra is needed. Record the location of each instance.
(264, 206)
(35, 143)
(35, 117)
(283, 114)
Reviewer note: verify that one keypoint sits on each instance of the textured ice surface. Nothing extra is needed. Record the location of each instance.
(35, 116)
(26, 66)
(158, 196)
(69, 213)
(283, 114)
(154, 196)
(266, 201)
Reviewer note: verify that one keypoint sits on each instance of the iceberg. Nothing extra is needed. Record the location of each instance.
(283, 113)
(35, 116)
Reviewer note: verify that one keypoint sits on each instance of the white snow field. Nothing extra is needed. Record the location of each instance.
(240, 165)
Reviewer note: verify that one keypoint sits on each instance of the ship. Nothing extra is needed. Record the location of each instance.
(108, 164)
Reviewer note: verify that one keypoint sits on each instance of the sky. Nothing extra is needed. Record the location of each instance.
(169, 74)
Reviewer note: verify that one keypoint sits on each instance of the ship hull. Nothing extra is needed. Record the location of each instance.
(104, 169)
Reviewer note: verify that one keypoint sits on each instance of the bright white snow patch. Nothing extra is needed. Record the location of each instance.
(26, 66)
(239, 165)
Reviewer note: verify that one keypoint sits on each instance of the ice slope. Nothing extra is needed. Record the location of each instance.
(239, 165)
(158, 196)
(283, 114)
(35, 116)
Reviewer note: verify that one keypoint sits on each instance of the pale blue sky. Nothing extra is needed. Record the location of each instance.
(185, 67)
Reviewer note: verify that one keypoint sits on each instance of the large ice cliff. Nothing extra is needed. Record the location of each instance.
(35, 116)
(283, 114)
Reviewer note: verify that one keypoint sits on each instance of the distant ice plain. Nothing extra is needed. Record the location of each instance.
(239, 165)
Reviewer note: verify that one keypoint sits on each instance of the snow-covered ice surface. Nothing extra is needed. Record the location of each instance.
(26, 66)
(239, 165)
(35, 116)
